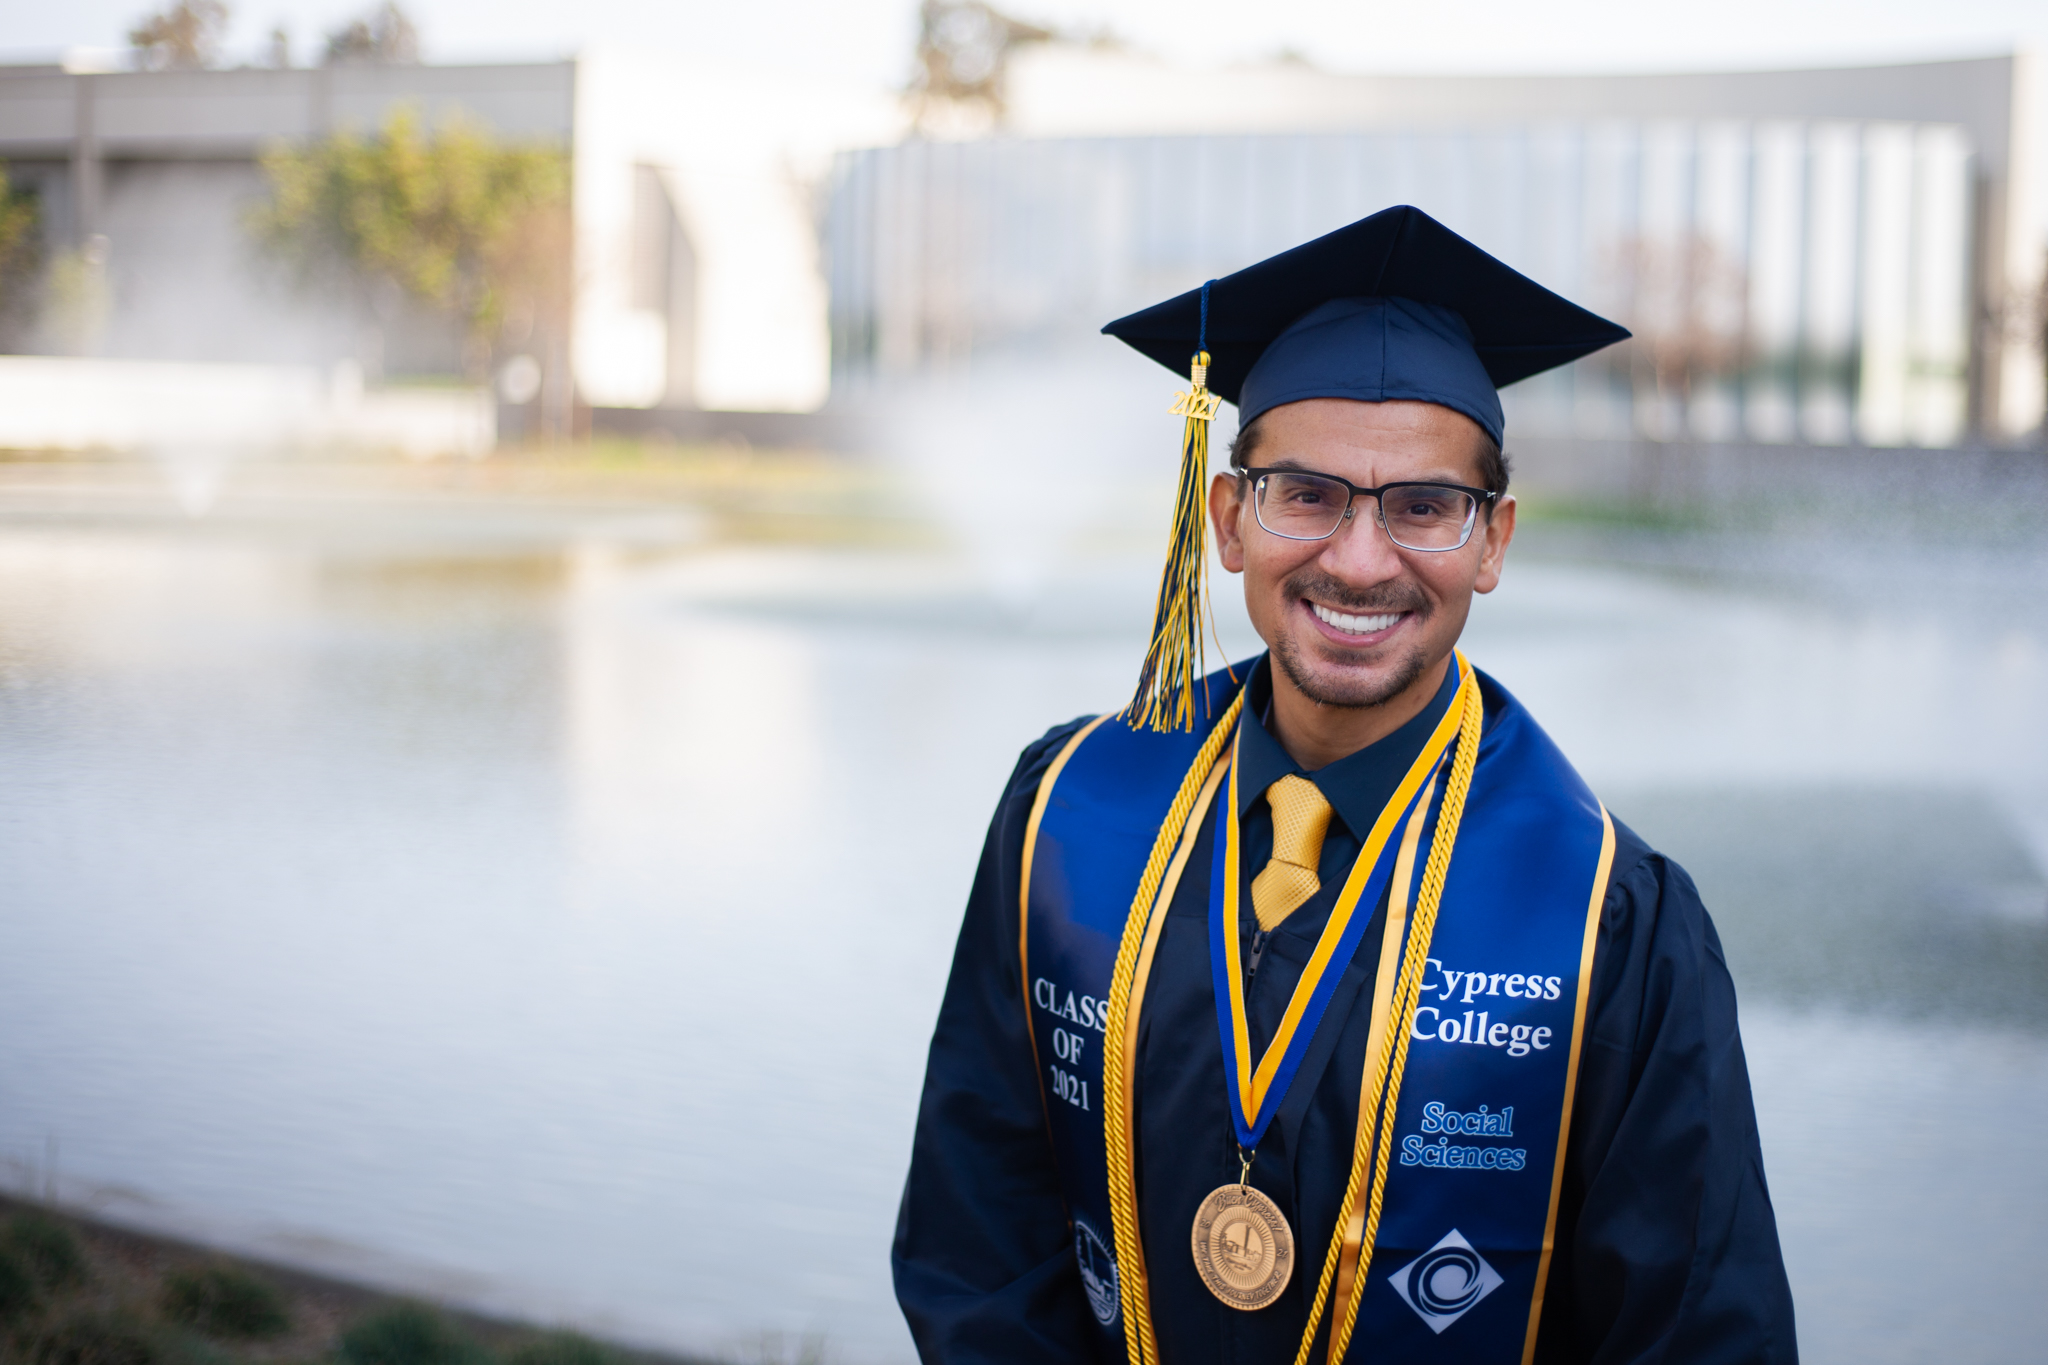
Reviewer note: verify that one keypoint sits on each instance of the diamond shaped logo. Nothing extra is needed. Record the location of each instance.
(1444, 1282)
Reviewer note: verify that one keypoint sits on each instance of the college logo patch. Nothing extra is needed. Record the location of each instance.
(1098, 1274)
(1444, 1282)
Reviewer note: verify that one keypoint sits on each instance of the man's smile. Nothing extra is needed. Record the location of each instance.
(1355, 629)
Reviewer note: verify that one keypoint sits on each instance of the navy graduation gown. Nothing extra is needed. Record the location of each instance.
(1667, 1249)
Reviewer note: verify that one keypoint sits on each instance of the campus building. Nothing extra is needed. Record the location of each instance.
(1847, 256)
(693, 269)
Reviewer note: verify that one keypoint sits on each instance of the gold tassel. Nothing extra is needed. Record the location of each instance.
(1174, 664)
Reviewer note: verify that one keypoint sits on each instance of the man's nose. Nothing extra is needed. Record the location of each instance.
(1358, 550)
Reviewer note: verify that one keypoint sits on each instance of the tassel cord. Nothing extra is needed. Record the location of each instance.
(1176, 658)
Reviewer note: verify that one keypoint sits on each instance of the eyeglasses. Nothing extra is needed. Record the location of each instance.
(1300, 505)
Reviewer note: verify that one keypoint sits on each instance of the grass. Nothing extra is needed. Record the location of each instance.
(51, 1251)
(224, 1301)
(408, 1334)
(62, 1305)
(731, 493)
(92, 1336)
(76, 1294)
(563, 1348)
(19, 1293)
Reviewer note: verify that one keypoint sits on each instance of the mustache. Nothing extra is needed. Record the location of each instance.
(1396, 596)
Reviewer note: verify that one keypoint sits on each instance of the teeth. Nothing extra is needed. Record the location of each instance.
(1356, 625)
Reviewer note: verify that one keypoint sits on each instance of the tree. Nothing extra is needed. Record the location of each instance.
(1687, 301)
(185, 37)
(20, 260)
(383, 37)
(449, 216)
(963, 49)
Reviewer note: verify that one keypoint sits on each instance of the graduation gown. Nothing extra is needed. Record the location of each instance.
(1667, 1249)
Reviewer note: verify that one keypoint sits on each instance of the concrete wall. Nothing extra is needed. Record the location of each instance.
(88, 121)
(75, 404)
(739, 156)
(234, 112)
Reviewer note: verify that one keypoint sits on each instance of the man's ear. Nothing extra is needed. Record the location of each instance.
(1226, 514)
(1499, 529)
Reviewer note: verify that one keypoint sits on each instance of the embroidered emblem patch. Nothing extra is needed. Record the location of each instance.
(1444, 1282)
(1098, 1274)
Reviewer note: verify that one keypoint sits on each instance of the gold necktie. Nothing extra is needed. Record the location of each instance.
(1300, 819)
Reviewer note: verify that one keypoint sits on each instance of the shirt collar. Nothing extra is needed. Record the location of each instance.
(1358, 785)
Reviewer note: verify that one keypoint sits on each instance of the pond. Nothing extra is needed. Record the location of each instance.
(537, 910)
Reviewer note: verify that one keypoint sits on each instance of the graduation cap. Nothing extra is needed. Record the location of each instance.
(1395, 306)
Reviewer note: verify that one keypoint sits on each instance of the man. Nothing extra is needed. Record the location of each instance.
(1341, 1023)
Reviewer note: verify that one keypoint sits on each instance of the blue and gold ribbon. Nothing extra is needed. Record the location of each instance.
(1257, 1091)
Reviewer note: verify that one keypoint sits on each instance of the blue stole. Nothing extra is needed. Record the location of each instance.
(1475, 1150)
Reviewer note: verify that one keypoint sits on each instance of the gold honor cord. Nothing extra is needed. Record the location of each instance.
(1407, 996)
(1595, 903)
(1135, 1010)
(1116, 1116)
(1038, 804)
(1394, 939)
(1254, 1083)
(1140, 1342)
(1373, 1145)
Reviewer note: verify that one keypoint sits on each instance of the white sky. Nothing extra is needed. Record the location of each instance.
(869, 40)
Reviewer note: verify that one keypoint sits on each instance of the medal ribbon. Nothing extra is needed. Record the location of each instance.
(1256, 1092)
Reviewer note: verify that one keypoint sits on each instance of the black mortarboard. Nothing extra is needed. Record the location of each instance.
(1395, 306)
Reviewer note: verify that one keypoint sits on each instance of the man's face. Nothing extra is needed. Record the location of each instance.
(1355, 620)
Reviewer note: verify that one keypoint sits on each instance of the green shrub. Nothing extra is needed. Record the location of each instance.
(49, 1249)
(95, 1338)
(409, 1334)
(225, 1301)
(562, 1348)
(19, 1294)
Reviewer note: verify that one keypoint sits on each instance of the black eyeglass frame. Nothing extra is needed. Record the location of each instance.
(1481, 497)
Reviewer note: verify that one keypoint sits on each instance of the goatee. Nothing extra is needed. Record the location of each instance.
(1339, 691)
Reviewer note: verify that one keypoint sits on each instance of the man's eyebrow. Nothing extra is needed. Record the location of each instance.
(1288, 462)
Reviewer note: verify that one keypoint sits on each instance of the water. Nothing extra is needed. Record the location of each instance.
(547, 908)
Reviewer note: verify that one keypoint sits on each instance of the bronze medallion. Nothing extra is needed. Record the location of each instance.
(1244, 1250)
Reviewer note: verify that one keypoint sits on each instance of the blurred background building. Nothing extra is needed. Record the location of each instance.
(1838, 256)
(689, 262)
(1842, 256)
(152, 174)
